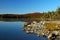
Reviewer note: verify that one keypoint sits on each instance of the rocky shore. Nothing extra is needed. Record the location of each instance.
(46, 29)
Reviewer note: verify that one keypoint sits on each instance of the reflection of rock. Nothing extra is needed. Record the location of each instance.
(48, 30)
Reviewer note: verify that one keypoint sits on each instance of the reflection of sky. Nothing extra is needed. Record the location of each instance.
(27, 6)
(13, 31)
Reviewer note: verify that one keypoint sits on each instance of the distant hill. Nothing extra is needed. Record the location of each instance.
(21, 15)
(34, 14)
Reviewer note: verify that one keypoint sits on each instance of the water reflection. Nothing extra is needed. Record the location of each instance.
(15, 19)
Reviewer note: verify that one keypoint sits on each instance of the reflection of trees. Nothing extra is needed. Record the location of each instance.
(9, 16)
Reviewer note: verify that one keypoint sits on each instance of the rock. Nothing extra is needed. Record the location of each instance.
(42, 28)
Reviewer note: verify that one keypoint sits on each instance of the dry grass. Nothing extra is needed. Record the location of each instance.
(52, 26)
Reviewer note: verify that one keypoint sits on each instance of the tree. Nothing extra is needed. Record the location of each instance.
(58, 10)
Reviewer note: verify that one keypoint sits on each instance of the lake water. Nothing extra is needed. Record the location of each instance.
(13, 31)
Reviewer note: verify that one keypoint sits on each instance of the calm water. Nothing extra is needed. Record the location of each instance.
(13, 31)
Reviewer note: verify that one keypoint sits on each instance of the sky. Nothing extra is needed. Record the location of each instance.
(27, 6)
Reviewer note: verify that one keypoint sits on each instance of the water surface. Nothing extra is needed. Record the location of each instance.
(13, 31)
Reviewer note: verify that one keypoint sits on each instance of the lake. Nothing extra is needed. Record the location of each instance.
(13, 31)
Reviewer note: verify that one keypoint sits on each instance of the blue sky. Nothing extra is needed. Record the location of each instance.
(27, 6)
